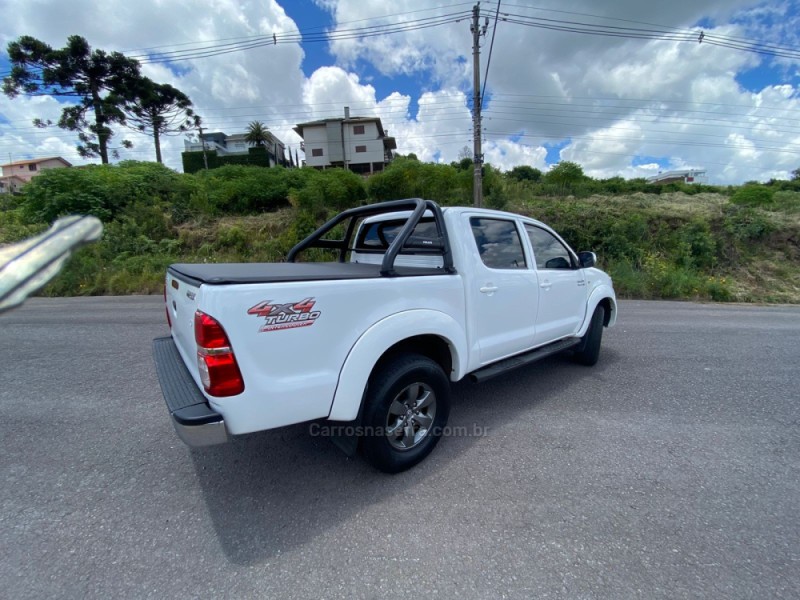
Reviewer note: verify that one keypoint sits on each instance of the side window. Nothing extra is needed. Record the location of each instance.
(547, 250)
(498, 243)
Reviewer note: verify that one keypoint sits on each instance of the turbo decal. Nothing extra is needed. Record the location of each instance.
(286, 316)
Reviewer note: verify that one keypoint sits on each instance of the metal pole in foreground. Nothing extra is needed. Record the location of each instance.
(203, 141)
(477, 159)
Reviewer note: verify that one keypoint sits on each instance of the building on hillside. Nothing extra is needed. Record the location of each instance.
(359, 144)
(11, 184)
(236, 145)
(679, 176)
(16, 174)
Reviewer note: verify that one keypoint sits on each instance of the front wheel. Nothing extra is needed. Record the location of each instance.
(407, 406)
(588, 350)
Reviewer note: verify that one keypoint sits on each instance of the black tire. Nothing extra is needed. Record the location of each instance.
(400, 427)
(588, 351)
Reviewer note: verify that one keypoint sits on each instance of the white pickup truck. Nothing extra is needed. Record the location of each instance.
(416, 296)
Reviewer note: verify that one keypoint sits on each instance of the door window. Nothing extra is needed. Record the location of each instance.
(498, 243)
(548, 251)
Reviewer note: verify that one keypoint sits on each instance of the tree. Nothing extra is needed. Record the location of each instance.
(99, 82)
(160, 109)
(796, 175)
(525, 173)
(465, 152)
(257, 134)
(565, 174)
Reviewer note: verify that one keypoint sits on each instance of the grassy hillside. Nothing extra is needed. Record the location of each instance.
(675, 245)
(721, 244)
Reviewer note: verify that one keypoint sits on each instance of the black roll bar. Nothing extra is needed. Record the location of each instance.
(418, 207)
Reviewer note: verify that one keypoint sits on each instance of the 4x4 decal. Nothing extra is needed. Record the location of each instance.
(288, 315)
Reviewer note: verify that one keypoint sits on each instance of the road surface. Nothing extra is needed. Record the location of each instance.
(669, 470)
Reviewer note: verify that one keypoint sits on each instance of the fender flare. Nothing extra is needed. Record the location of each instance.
(600, 293)
(381, 336)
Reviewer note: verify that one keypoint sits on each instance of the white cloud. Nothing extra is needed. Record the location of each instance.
(506, 154)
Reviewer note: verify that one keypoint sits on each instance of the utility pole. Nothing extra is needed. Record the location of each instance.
(203, 141)
(477, 159)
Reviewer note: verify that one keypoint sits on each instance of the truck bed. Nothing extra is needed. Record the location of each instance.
(239, 273)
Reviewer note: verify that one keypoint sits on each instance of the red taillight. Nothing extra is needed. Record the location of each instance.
(208, 333)
(218, 369)
(166, 307)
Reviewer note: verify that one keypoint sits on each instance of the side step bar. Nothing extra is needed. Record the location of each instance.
(520, 360)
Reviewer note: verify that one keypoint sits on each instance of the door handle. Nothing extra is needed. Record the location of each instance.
(545, 284)
(489, 289)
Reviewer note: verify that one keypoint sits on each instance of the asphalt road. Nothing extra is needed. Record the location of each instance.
(669, 470)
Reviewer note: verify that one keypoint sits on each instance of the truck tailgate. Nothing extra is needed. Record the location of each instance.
(182, 301)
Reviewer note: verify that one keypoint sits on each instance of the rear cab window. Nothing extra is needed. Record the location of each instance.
(378, 236)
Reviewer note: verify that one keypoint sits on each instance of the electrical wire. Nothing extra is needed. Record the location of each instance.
(644, 142)
(655, 32)
(489, 60)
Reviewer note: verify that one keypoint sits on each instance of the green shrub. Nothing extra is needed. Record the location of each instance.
(524, 173)
(786, 201)
(753, 195)
(233, 238)
(102, 191)
(497, 198)
(693, 245)
(628, 280)
(747, 224)
(242, 190)
(238, 189)
(14, 226)
(405, 178)
(341, 189)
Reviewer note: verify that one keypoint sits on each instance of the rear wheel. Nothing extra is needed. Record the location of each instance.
(407, 406)
(588, 350)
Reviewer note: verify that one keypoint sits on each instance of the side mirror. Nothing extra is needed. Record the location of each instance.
(559, 262)
(587, 259)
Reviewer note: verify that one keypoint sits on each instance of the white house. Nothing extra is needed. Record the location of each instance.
(359, 144)
(17, 174)
(681, 176)
(227, 145)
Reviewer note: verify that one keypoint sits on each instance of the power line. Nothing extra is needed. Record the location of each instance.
(658, 100)
(489, 60)
(231, 45)
(645, 131)
(691, 32)
(608, 112)
(650, 141)
(275, 39)
(531, 118)
(660, 33)
(308, 30)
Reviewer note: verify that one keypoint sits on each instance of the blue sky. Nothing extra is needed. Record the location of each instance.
(616, 105)
(309, 16)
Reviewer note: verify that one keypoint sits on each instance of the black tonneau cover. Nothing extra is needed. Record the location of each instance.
(233, 273)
